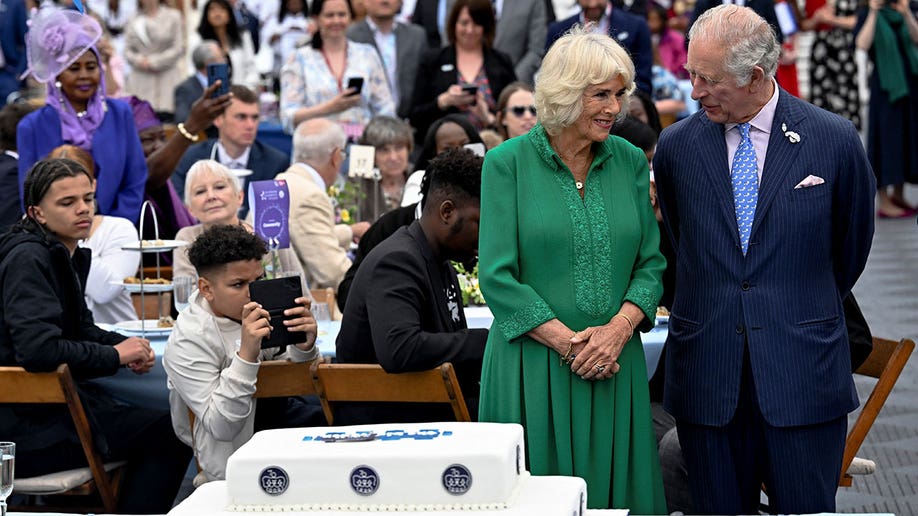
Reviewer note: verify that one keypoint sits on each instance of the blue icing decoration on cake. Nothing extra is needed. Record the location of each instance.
(424, 434)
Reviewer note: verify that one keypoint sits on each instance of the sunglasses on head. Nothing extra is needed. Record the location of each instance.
(521, 110)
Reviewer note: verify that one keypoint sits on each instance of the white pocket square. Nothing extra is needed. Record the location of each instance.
(810, 181)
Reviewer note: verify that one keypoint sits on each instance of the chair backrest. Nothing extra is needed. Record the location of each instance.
(20, 386)
(278, 378)
(885, 362)
(370, 383)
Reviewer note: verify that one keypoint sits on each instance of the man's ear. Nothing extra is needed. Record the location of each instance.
(35, 213)
(205, 288)
(758, 80)
(447, 211)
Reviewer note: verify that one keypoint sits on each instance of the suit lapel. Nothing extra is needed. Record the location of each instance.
(254, 156)
(712, 147)
(780, 157)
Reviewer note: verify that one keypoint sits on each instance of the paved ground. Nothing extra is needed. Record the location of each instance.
(888, 295)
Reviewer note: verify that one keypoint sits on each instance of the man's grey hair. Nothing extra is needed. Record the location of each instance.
(749, 40)
(314, 141)
(206, 51)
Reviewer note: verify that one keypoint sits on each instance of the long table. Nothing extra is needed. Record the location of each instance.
(149, 390)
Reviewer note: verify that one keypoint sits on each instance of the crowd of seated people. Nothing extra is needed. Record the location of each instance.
(193, 152)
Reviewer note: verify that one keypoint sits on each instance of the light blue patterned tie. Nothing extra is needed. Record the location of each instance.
(744, 175)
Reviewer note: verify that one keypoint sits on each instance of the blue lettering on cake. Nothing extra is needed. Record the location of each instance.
(273, 480)
(424, 434)
(364, 480)
(457, 480)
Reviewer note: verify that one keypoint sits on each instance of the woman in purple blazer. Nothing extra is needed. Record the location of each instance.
(62, 54)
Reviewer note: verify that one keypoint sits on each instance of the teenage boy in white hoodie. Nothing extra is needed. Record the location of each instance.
(214, 351)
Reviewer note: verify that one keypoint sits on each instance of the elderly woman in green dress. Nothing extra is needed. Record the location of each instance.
(570, 266)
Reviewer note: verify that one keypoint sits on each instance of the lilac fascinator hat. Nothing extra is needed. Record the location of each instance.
(56, 39)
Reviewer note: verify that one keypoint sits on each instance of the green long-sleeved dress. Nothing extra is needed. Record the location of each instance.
(546, 253)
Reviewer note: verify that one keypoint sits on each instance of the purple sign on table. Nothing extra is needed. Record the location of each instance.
(270, 204)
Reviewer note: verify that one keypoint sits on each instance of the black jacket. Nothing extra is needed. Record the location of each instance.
(45, 323)
(438, 72)
(379, 231)
(398, 315)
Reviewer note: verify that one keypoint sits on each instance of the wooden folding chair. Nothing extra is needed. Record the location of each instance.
(886, 362)
(278, 378)
(20, 386)
(370, 383)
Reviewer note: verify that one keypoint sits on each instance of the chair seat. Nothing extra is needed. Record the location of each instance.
(58, 482)
(861, 466)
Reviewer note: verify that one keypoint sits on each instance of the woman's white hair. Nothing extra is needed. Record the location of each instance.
(575, 61)
(748, 39)
(214, 167)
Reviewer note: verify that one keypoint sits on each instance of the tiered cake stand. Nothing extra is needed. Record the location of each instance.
(143, 326)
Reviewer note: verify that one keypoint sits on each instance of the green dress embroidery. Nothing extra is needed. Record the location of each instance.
(546, 253)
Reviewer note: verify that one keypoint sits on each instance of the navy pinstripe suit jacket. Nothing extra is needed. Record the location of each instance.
(807, 248)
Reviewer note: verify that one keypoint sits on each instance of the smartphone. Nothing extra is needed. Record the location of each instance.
(470, 89)
(275, 296)
(218, 71)
(356, 83)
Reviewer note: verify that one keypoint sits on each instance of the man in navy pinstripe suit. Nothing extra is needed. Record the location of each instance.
(758, 372)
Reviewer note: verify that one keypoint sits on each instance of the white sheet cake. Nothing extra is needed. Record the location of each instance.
(447, 468)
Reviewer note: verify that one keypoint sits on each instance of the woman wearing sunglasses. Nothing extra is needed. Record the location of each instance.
(516, 112)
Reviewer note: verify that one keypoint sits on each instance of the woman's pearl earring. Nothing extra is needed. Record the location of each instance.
(57, 84)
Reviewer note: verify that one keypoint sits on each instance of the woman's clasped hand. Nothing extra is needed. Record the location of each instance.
(599, 347)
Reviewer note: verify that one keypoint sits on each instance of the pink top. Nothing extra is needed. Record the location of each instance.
(672, 52)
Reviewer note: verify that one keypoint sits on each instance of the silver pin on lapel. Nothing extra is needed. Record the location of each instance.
(790, 135)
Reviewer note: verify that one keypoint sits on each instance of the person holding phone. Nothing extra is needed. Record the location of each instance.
(467, 75)
(334, 78)
(215, 348)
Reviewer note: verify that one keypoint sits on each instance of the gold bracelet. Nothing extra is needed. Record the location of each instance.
(193, 138)
(566, 358)
(625, 317)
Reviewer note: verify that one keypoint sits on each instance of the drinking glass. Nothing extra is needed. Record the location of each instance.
(321, 311)
(182, 287)
(7, 468)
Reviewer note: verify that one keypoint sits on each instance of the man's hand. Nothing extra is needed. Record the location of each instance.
(304, 321)
(136, 354)
(256, 325)
(206, 109)
(358, 229)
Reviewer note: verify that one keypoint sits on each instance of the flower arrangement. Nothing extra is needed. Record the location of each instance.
(468, 285)
(345, 200)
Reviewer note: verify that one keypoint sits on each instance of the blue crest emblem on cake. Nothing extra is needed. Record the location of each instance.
(273, 480)
(457, 479)
(364, 480)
